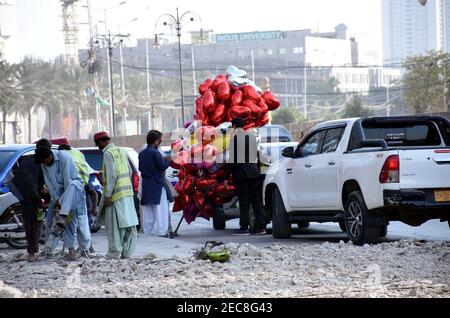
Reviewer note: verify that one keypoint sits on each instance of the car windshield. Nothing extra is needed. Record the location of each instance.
(95, 160)
(5, 157)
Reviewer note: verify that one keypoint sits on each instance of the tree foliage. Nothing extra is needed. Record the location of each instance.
(354, 108)
(427, 81)
(287, 115)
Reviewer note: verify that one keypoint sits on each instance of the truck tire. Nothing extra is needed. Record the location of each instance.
(219, 222)
(281, 226)
(360, 225)
(342, 226)
(383, 231)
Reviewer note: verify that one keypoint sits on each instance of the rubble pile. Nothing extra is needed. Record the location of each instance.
(406, 268)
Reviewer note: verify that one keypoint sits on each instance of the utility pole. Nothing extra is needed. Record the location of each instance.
(111, 86)
(388, 108)
(108, 38)
(253, 66)
(148, 69)
(93, 60)
(123, 86)
(193, 69)
(305, 107)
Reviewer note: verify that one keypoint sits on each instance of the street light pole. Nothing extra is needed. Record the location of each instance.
(178, 21)
(181, 67)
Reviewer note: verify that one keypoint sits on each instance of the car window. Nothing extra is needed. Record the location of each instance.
(5, 157)
(403, 133)
(312, 145)
(95, 160)
(332, 140)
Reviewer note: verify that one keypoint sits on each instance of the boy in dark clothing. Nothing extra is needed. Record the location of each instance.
(243, 165)
(27, 186)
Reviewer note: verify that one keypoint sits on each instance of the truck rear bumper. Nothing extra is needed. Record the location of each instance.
(413, 206)
(414, 198)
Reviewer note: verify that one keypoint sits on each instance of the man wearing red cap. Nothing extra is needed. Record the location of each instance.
(117, 211)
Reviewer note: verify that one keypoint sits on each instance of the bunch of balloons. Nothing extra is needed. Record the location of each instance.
(200, 153)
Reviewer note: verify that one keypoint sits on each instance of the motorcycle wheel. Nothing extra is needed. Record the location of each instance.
(18, 244)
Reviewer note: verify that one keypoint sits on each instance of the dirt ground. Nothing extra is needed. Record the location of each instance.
(406, 268)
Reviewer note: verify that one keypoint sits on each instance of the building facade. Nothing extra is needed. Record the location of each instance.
(412, 29)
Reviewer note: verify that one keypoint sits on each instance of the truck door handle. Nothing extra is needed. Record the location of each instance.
(308, 166)
(332, 163)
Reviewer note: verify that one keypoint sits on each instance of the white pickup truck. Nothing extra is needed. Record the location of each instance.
(363, 173)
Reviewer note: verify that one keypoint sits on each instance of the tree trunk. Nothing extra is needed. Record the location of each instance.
(79, 123)
(50, 128)
(29, 127)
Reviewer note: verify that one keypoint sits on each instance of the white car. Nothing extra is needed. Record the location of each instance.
(363, 173)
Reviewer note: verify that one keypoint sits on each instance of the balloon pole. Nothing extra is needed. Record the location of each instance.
(178, 226)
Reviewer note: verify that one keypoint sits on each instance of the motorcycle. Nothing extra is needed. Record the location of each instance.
(12, 231)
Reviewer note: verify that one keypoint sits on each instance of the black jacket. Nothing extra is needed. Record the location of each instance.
(29, 180)
(243, 157)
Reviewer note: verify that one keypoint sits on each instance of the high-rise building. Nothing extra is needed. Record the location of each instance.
(443, 25)
(412, 29)
(9, 38)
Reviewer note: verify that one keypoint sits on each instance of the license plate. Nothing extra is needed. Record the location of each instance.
(442, 196)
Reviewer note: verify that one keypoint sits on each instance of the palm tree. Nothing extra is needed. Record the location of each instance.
(163, 89)
(31, 91)
(75, 81)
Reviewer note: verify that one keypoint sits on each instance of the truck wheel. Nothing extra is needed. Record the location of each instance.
(219, 222)
(384, 231)
(303, 225)
(342, 226)
(357, 219)
(281, 225)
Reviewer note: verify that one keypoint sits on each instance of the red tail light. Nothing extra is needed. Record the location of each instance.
(442, 151)
(135, 182)
(390, 173)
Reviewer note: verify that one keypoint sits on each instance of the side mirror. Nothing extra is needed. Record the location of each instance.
(288, 152)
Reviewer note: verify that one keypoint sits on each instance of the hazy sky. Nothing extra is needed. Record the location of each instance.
(41, 19)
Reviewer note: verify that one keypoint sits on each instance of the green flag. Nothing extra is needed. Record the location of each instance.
(100, 101)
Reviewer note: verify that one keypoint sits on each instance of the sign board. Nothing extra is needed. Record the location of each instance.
(249, 36)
